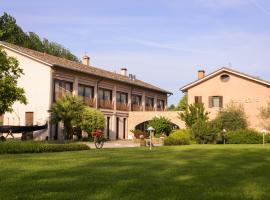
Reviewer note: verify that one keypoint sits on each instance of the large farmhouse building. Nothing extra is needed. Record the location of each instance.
(47, 78)
(225, 86)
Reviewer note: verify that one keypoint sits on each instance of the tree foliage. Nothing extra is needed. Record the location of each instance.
(205, 132)
(92, 120)
(67, 110)
(193, 113)
(9, 91)
(162, 125)
(12, 33)
(232, 117)
(181, 106)
(265, 117)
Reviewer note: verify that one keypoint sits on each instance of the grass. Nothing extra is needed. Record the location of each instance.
(184, 172)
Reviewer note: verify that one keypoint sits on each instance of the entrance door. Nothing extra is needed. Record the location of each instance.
(29, 121)
(29, 118)
(108, 128)
(124, 128)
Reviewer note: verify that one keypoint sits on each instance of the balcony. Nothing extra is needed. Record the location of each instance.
(149, 108)
(61, 94)
(89, 102)
(122, 106)
(106, 104)
(136, 107)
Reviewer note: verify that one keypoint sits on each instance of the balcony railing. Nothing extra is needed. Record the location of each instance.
(122, 106)
(160, 109)
(61, 94)
(89, 101)
(136, 107)
(106, 104)
(149, 108)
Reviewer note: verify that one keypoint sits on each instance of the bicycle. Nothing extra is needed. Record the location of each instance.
(99, 139)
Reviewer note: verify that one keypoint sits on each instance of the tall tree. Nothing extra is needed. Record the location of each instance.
(67, 110)
(193, 113)
(9, 91)
(12, 33)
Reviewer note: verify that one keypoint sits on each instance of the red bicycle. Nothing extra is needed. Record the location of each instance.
(99, 138)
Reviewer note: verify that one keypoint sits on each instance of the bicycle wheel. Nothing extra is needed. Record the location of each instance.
(99, 144)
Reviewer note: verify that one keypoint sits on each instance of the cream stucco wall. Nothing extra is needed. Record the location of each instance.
(252, 95)
(36, 82)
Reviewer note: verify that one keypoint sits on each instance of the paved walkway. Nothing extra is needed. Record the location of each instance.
(116, 144)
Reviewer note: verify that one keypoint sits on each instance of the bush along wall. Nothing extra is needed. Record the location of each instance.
(244, 137)
(14, 147)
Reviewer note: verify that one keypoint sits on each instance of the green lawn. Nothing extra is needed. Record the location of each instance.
(185, 172)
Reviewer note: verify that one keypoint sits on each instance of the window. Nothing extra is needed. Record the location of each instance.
(136, 100)
(224, 77)
(121, 97)
(198, 99)
(149, 101)
(160, 104)
(104, 94)
(61, 88)
(1, 120)
(87, 93)
(216, 102)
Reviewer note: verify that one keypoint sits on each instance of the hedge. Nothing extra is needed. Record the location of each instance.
(14, 147)
(244, 137)
(178, 137)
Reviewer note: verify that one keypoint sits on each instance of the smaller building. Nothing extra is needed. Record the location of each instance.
(226, 85)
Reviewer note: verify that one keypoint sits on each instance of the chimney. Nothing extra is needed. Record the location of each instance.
(124, 71)
(201, 74)
(86, 60)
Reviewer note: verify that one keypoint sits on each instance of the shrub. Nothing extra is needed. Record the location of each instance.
(194, 113)
(162, 125)
(232, 117)
(92, 120)
(178, 137)
(205, 132)
(14, 147)
(244, 137)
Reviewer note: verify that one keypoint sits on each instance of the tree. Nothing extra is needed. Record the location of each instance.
(183, 103)
(9, 75)
(162, 125)
(232, 117)
(92, 120)
(265, 117)
(181, 106)
(12, 33)
(193, 113)
(67, 110)
(205, 132)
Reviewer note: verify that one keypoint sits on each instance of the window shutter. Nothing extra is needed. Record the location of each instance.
(221, 101)
(200, 99)
(210, 102)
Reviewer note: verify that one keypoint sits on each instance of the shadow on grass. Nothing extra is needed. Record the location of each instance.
(194, 172)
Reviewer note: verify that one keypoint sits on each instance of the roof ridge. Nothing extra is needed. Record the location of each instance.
(184, 88)
(77, 66)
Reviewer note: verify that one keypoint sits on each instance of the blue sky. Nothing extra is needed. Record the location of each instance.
(162, 42)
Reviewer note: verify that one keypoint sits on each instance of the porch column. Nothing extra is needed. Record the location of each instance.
(75, 86)
(143, 101)
(114, 98)
(113, 130)
(155, 102)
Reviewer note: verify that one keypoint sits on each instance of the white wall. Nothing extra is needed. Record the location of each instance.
(36, 82)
